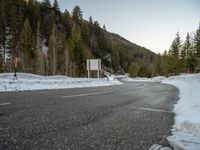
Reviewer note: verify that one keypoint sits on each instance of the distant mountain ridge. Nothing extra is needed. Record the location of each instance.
(119, 38)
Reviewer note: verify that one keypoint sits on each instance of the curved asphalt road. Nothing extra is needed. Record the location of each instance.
(126, 117)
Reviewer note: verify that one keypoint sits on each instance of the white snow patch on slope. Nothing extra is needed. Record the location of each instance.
(186, 131)
(25, 81)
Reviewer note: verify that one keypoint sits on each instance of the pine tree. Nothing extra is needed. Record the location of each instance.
(104, 27)
(15, 24)
(40, 59)
(67, 24)
(61, 53)
(33, 15)
(52, 53)
(1, 64)
(143, 71)
(91, 25)
(115, 57)
(77, 16)
(186, 54)
(197, 48)
(165, 63)
(173, 59)
(159, 70)
(133, 70)
(1, 35)
(27, 47)
(3, 29)
(56, 6)
(90, 20)
(45, 12)
(77, 54)
(44, 9)
(176, 46)
(47, 3)
(67, 59)
(56, 14)
(85, 33)
(47, 27)
(192, 61)
(96, 28)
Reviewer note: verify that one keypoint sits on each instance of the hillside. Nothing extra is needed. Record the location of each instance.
(49, 42)
(131, 53)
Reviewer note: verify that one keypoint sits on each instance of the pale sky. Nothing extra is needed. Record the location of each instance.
(149, 23)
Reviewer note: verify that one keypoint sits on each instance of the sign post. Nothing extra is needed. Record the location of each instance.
(94, 64)
(88, 65)
(16, 61)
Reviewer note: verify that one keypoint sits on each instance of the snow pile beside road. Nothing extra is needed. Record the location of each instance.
(139, 79)
(159, 147)
(186, 131)
(158, 79)
(25, 81)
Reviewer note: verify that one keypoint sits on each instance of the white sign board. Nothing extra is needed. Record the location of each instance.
(94, 64)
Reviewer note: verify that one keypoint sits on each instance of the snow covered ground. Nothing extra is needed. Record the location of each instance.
(27, 81)
(139, 79)
(186, 131)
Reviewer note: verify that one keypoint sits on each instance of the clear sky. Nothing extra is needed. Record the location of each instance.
(149, 23)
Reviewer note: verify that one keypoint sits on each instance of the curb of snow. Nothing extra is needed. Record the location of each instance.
(186, 130)
(29, 82)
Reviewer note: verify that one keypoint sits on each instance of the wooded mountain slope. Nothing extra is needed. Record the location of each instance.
(49, 42)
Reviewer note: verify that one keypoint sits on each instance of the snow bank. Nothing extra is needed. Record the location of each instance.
(186, 131)
(159, 147)
(25, 81)
(139, 79)
(158, 79)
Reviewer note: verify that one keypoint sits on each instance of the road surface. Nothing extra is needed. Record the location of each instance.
(131, 116)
